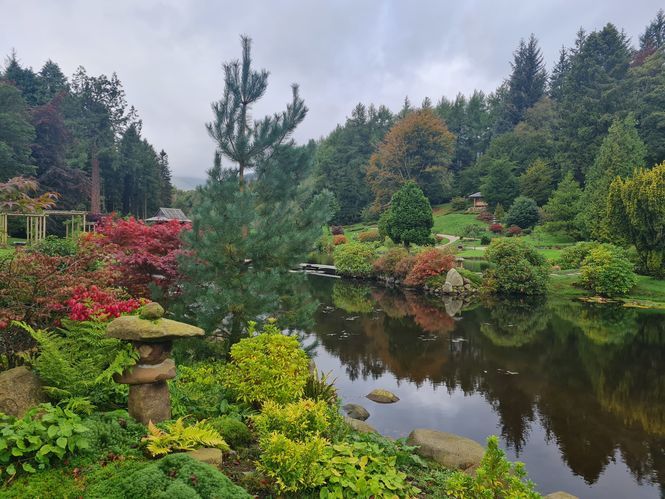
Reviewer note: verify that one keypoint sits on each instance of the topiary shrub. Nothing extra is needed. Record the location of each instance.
(572, 256)
(518, 268)
(354, 259)
(339, 239)
(369, 236)
(235, 432)
(523, 213)
(429, 263)
(386, 263)
(607, 271)
(176, 476)
(269, 366)
(409, 219)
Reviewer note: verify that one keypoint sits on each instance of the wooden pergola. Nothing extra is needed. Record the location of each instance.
(36, 224)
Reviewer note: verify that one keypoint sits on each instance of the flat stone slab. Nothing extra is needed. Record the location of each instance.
(452, 451)
(356, 411)
(382, 396)
(133, 328)
(20, 391)
(360, 426)
(560, 495)
(142, 374)
(208, 455)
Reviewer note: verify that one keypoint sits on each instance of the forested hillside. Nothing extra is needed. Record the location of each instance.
(80, 138)
(597, 113)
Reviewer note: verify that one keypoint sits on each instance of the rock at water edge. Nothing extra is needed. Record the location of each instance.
(356, 411)
(452, 451)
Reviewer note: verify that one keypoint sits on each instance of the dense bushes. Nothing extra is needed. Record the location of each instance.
(386, 264)
(370, 236)
(197, 390)
(606, 270)
(56, 246)
(496, 228)
(269, 366)
(523, 213)
(339, 239)
(175, 476)
(354, 259)
(409, 218)
(572, 256)
(518, 268)
(458, 203)
(233, 431)
(429, 263)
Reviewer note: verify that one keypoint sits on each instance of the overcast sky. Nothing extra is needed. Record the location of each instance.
(168, 54)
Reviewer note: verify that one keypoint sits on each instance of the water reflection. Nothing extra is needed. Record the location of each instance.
(588, 378)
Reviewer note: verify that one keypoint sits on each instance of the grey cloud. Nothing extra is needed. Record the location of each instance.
(169, 53)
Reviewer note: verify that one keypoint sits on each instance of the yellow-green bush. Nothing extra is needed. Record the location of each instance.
(300, 420)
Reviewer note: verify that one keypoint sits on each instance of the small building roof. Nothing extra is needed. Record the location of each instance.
(476, 195)
(167, 214)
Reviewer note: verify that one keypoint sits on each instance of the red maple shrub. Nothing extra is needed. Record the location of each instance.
(142, 254)
(387, 263)
(485, 216)
(404, 266)
(429, 263)
(513, 230)
(496, 228)
(339, 239)
(98, 304)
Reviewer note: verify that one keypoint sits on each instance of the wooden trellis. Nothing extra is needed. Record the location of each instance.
(36, 224)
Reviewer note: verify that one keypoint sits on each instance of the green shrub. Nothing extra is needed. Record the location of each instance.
(608, 271)
(54, 483)
(177, 436)
(300, 420)
(473, 231)
(56, 246)
(113, 433)
(295, 466)
(354, 259)
(476, 279)
(43, 435)
(319, 388)
(485, 240)
(234, 431)
(178, 476)
(79, 360)
(370, 236)
(361, 469)
(518, 269)
(572, 256)
(495, 477)
(458, 203)
(269, 366)
(409, 219)
(197, 390)
(523, 213)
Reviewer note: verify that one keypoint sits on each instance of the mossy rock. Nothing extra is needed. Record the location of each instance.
(133, 328)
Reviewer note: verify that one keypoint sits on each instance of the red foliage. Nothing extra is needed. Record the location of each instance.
(339, 239)
(142, 254)
(387, 263)
(336, 230)
(34, 287)
(404, 266)
(513, 230)
(429, 263)
(99, 304)
(496, 228)
(485, 216)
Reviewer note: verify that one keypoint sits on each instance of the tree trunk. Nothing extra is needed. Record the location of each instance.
(96, 183)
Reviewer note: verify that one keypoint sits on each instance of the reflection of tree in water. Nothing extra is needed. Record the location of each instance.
(515, 323)
(592, 376)
(352, 297)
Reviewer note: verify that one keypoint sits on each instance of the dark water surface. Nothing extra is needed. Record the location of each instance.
(575, 391)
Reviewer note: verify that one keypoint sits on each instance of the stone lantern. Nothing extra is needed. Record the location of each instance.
(152, 336)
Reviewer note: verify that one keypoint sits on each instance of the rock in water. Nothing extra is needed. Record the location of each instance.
(358, 425)
(452, 451)
(560, 495)
(447, 288)
(454, 278)
(20, 390)
(356, 411)
(382, 396)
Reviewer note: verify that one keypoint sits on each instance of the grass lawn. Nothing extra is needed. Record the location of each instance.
(6, 252)
(453, 223)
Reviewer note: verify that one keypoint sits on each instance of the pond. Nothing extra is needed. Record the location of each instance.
(576, 391)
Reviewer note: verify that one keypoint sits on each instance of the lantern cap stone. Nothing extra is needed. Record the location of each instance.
(136, 328)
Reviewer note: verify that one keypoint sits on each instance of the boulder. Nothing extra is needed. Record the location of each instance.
(447, 288)
(382, 396)
(358, 425)
(560, 495)
(152, 311)
(356, 411)
(133, 328)
(150, 402)
(208, 455)
(454, 278)
(452, 451)
(147, 373)
(20, 390)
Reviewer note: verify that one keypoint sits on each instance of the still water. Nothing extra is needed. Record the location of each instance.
(576, 391)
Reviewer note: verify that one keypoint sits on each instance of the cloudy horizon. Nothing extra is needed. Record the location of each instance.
(168, 54)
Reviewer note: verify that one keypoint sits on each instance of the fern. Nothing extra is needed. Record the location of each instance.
(178, 437)
(79, 361)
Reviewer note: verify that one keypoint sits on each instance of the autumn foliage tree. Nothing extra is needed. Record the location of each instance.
(15, 196)
(419, 147)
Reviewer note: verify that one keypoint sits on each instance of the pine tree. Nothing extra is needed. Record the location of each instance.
(165, 185)
(526, 84)
(564, 206)
(621, 152)
(247, 235)
(536, 182)
(16, 134)
(558, 76)
(653, 37)
(500, 184)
